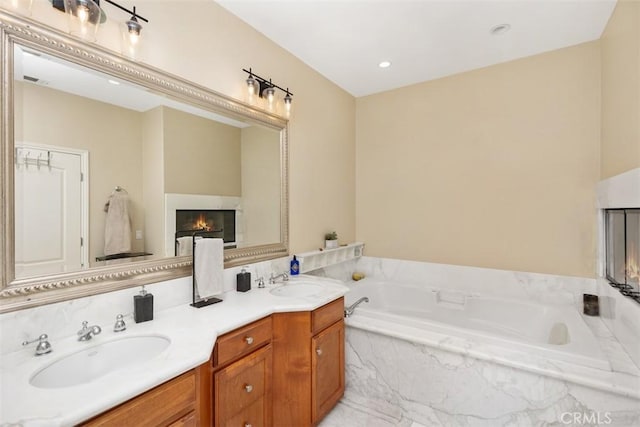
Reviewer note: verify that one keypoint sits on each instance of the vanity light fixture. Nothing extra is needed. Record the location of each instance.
(267, 89)
(384, 64)
(86, 15)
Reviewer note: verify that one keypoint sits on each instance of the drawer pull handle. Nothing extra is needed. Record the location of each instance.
(248, 340)
(248, 388)
(319, 351)
(247, 425)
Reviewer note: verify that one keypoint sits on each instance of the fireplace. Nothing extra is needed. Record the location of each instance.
(220, 223)
(622, 254)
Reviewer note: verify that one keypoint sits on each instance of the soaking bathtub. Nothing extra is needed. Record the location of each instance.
(508, 327)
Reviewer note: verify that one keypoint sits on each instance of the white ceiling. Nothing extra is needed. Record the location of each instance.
(68, 77)
(344, 40)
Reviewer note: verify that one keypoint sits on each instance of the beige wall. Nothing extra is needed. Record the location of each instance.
(111, 135)
(494, 168)
(260, 185)
(153, 181)
(201, 156)
(621, 90)
(209, 46)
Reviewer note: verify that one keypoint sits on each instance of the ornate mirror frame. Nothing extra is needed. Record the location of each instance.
(21, 293)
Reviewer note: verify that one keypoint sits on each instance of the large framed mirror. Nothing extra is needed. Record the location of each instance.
(109, 167)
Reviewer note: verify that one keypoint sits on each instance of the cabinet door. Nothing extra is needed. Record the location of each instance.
(241, 384)
(327, 373)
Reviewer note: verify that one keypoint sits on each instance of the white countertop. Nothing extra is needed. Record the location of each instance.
(192, 332)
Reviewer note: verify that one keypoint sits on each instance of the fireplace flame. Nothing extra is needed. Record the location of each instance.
(633, 265)
(201, 223)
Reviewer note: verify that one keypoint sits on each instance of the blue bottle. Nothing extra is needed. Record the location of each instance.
(295, 266)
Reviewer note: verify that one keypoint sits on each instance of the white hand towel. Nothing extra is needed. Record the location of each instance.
(185, 245)
(117, 229)
(209, 267)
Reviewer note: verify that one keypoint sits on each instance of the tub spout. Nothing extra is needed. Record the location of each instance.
(349, 310)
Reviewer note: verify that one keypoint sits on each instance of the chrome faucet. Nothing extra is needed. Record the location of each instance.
(87, 332)
(43, 346)
(349, 310)
(274, 278)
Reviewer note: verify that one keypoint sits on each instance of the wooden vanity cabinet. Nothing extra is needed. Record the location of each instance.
(173, 403)
(242, 376)
(308, 364)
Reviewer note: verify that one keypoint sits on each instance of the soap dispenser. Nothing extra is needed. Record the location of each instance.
(243, 280)
(295, 266)
(143, 306)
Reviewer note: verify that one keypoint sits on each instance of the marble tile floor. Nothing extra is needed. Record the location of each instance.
(349, 414)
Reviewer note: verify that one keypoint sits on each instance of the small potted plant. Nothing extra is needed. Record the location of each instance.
(331, 240)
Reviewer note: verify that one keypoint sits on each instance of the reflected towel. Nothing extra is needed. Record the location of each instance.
(185, 245)
(117, 229)
(209, 267)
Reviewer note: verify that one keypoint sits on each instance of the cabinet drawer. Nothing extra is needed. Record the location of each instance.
(157, 407)
(240, 384)
(252, 415)
(242, 341)
(327, 315)
(189, 420)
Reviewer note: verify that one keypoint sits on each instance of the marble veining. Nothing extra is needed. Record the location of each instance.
(399, 374)
(408, 382)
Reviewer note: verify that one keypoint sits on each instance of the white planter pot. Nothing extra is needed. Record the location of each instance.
(330, 244)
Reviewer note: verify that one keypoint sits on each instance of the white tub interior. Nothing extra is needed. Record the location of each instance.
(552, 332)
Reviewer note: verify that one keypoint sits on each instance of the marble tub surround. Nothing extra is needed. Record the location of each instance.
(192, 333)
(412, 382)
(620, 379)
(507, 385)
(340, 271)
(621, 315)
(544, 288)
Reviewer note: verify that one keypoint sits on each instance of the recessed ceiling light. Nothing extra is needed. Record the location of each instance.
(500, 29)
(384, 64)
(113, 82)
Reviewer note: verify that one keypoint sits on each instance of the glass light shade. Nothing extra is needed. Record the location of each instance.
(288, 100)
(131, 38)
(23, 7)
(253, 88)
(84, 18)
(270, 95)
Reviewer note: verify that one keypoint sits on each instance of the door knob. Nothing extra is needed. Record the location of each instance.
(248, 388)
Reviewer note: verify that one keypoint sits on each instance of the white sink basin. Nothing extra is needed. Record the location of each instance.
(299, 289)
(95, 361)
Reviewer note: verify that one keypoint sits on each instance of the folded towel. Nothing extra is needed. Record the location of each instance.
(117, 229)
(209, 267)
(185, 245)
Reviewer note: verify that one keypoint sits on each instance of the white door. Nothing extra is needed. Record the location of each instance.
(48, 212)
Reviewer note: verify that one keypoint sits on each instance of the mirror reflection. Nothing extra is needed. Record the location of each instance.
(109, 172)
